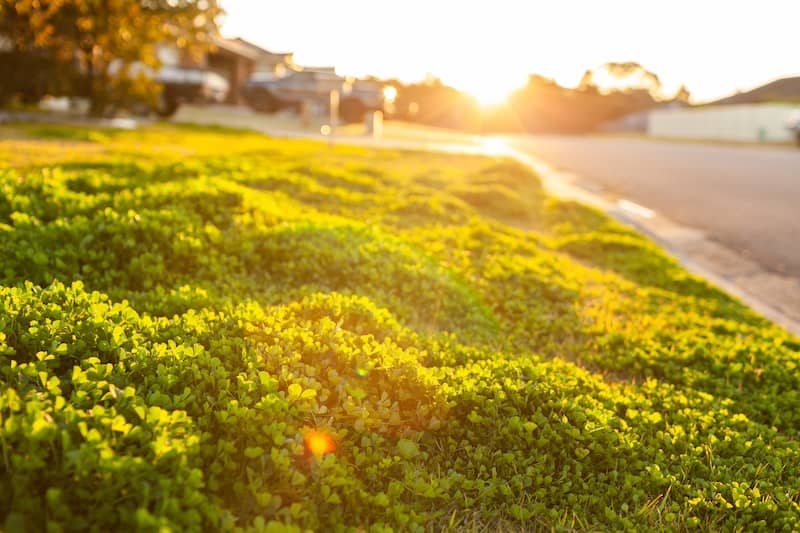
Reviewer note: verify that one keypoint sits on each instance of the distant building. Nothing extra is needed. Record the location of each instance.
(763, 114)
(785, 90)
(631, 123)
(637, 122)
(745, 122)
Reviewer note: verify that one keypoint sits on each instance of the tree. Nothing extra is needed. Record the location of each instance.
(587, 82)
(543, 106)
(626, 76)
(682, 95)
(432, 102)
(108, 46)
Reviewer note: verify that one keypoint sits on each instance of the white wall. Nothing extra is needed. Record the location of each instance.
(168, 55)
(752, 122)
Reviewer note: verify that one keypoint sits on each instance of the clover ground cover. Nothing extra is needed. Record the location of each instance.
(206, 329)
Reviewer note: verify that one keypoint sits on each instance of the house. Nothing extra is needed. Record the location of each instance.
(268, 62)
(234, 59)
(763, 114)
(782, 90)
(734, 122)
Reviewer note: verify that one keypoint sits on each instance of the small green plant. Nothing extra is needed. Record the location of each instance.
(211, 330)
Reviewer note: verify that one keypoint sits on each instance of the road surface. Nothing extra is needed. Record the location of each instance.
(746, 198)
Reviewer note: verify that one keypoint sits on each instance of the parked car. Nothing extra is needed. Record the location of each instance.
(268, 93)
(179, 85)
(794, 126)
(187, 85)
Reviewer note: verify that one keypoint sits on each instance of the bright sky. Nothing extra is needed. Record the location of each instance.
(489, 47)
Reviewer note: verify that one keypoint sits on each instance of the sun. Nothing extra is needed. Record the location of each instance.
(490, 95)
(490, 89)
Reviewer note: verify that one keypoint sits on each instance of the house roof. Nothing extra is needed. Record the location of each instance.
(235, 47)
(326, 70)
(783, 89)
(260, 50)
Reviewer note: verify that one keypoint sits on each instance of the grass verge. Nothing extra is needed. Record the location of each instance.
(205, 329)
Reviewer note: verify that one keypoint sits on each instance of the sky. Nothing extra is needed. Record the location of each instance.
(488, 48)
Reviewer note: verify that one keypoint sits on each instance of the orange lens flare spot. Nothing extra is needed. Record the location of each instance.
(319, 443)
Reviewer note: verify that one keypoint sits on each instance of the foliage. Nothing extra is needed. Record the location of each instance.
(541, 106)
(434, 103)
(626, 75)
(97, 48)
(210, 330)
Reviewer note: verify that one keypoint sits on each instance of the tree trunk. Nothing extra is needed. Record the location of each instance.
(90, 93)
(95, 91)
(98, 89)
(97, 97)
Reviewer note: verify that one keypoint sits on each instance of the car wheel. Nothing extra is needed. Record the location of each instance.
(263, 101)
(352, 110)
(167, 106)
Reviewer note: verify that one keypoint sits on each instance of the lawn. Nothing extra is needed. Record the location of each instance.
(207, 329)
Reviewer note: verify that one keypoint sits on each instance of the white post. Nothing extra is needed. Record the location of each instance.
(334, 118)
(374, 124)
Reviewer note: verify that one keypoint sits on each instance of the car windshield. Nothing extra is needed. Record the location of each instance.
(262, 76)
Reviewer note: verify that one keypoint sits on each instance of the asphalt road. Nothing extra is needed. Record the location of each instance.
(746, 198)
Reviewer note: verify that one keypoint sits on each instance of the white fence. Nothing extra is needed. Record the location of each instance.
(753, 122)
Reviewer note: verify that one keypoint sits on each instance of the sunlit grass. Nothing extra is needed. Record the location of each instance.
(207, 329)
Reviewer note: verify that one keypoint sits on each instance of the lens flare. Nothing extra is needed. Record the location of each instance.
(362, 371)
(319, 443)
(389, 94)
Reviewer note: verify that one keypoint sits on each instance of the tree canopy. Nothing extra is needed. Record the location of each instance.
(100, 49)
(626, 75)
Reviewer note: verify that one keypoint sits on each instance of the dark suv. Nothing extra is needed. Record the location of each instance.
(268, 93)
(794, 126)
(190, 86)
